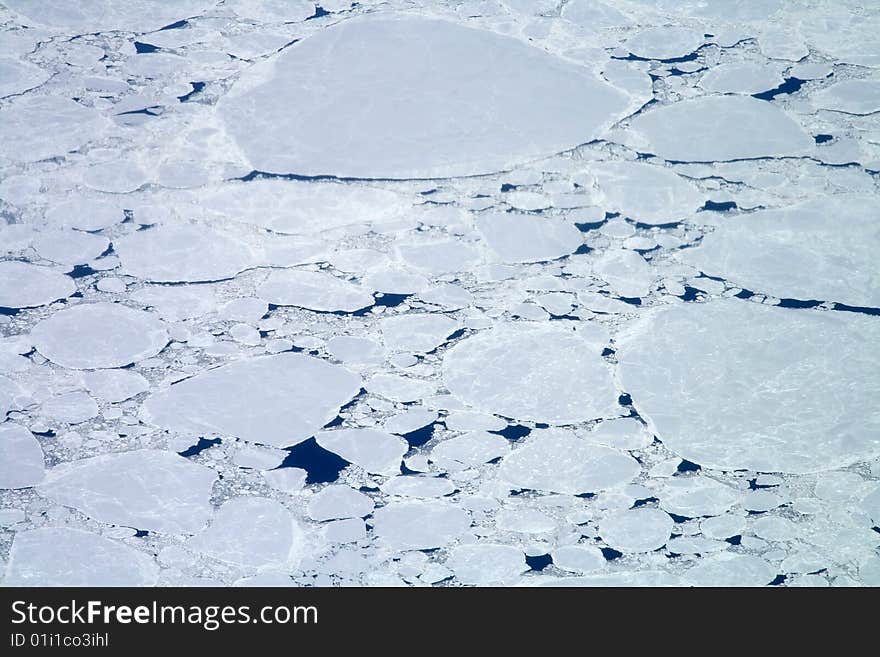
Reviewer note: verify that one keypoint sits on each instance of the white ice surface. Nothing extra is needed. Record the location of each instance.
(21, 458)
(731, 384)
(23, 285)
(277, 400)
(99, 335)
(531, 371)
(400, 96)
(152, 490)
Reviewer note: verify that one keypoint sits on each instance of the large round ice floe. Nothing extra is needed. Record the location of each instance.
(62, 556)
(146, 489)
(23, 285)
(403, 96)
(251, 531)
(556, 461)
(176, 253)
(823, 249)
(533, 372)
(21, 457)
(313, 290)
(277, 400)
(732, 384)
(718, 128)
(648, 193)
(99, 335)
(528, 238)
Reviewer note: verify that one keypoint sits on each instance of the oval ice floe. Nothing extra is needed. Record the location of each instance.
(718, 128)
(21, 457)
(314, 290)
(732, 384)
(277, 400)
(99, 335)
(24, 285)
(405, 96)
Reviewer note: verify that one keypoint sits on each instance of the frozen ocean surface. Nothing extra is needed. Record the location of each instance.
(460, 293)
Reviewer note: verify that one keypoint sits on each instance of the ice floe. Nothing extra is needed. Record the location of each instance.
(423, 83)
(754, 366)
(146, 489)
(99, 335)
(24, 285)
(22, 463)
(277, 400)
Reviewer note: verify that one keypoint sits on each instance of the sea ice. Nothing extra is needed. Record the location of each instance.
(718, 128)
(820, 249)
(277, 400)
(419, 524)
(146, 489)
(23, 285)
(62, 556)
(251, 531)
(375, 451)
(418, 332)
(99, 336)
(731, 384)
(21, 457)
(339, 502)
(487, 564)
(554, 460)
(400, 96)
(850, 96)
(314, 290)
(531, 372)
(636, 530)
(528, 238)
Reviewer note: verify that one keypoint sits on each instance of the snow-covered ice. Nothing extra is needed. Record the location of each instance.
(478, 293)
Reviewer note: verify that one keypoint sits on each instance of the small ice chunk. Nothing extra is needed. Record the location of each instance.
(375, 451)
(146, 489)
(62, 556)
(636, 530)
(716, 128)
(338, 502)
(416, 332)
(277, 400)
(314, 290)
(532, 372)
(554, 460)
(484, 564)
(528, 238)
(99, 335)
(24, 285)
(21, 457)
(419, 524)
(251, 531)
